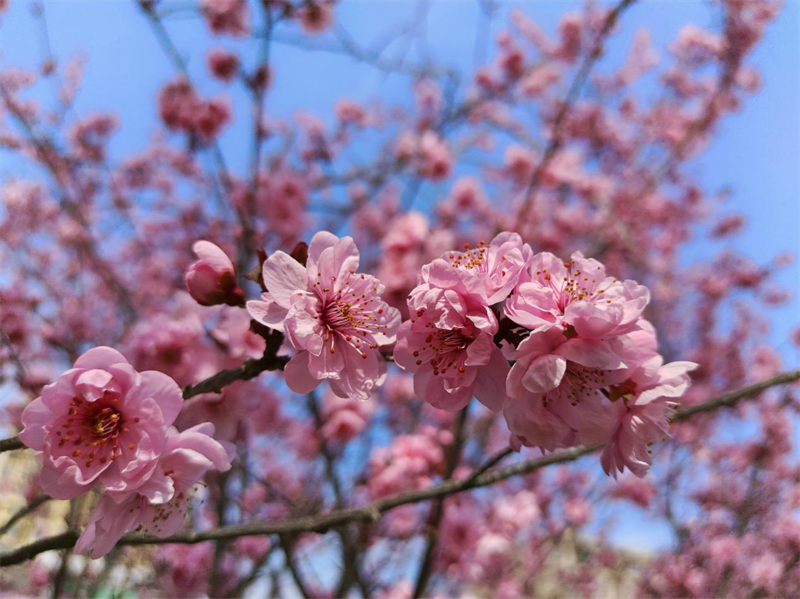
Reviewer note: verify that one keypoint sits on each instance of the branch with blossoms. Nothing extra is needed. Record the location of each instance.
(580, 343)
(372, 512)
(186, 409)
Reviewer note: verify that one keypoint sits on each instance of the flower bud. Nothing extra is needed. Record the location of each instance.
(212, 279)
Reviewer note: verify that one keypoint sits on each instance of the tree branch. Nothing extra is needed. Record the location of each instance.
(22, 512)
(321, 523)
(731, 398)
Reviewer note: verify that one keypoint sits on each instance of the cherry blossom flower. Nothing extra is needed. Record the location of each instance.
(488, 271)
(644, 401)
(100, 423)
(332, 315)
(449, 347)
(159, 506)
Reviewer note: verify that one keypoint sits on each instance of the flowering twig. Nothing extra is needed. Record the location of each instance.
(321, 523)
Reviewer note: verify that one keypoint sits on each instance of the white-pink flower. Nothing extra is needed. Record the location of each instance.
(644, 401)
(577, 296)
(100, 423)
(489, 271)
(333, 316)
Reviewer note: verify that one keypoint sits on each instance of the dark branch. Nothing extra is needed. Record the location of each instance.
(323, 522)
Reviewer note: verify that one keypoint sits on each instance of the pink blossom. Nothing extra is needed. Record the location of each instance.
(158, 506)
(100, 423)
(647, 397)
(334, 317)
(351, 112)
(212, 279)
(316, 16)
(488, 271)
(226, 16)
(410, 462)
(448, 345)
(578, 297)
(434, 159)
(343, 418)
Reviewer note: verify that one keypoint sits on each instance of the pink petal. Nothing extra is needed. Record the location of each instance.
(100, 357)
(267, 312)
(297, 376)
(165, 391)
(544, 374)
(490, 384)
(283, 276)
(213, 256)
(35, 417)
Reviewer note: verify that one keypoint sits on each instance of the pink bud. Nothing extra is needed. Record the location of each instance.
(212, 279)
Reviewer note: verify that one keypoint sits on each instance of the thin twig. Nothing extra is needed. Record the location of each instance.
(22, 512)
(731, 398)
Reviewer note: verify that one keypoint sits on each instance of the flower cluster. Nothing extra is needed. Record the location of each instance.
(103, 424)
(586, 366)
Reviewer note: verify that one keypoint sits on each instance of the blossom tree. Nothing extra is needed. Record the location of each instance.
(445, 370)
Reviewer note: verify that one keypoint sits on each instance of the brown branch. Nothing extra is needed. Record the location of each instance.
(22, 512)
(321, 523)
(731, 398)
(249, 370)
(10, 444)
(572, 95)
(291, 565)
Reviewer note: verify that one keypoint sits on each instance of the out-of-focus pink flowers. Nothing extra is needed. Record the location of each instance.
(212, 279)
(227, 16)
(224, 65)
(182, 110)
(101, 423)
(159, 506)
(343, 418)
(410, 462)
(332, 315)
(316, 16)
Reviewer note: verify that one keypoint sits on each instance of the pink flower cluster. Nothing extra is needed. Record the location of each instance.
(586, 367)
(588, 372)
(182, 109)
(103, 424)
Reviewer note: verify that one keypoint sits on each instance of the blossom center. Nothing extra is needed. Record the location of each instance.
(349, 314)
(103, 422)
(449, 349)
(92, 429)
